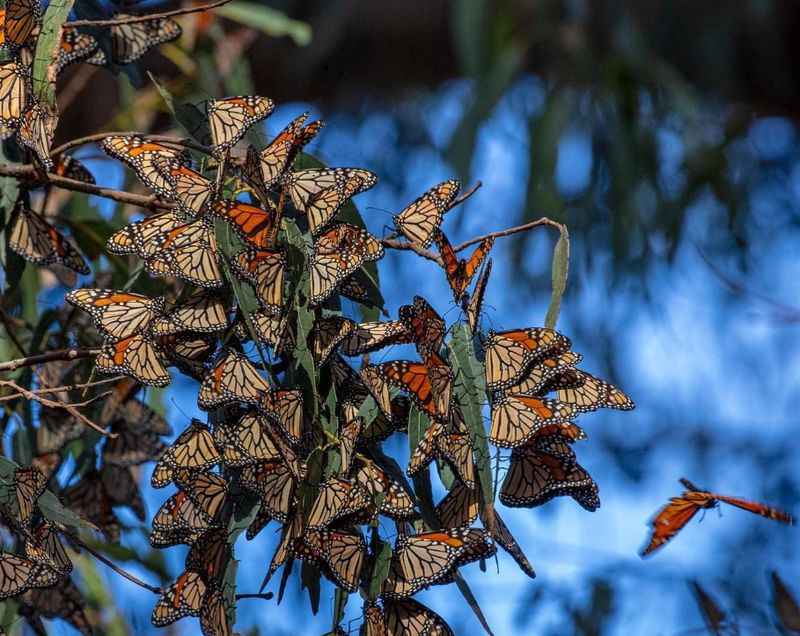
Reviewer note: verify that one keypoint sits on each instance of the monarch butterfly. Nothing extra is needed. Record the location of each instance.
(285, 408)
(328, 333)
(271, 329)
(63, 601)
(341, 555)
(43, 546)
(680, 510)
(131, 448)
(131, 41)
(206, 490)
(54, 431)
(785, 605)
(230, 118)
(122, 489)
(136, 356)
(178, 521)
(397, 502)
(305, 186)
(247, 442)
(183, 598)
(502, 535)
(420, 220)
(19, 19)
(349, 433)
(71, 168)
(143, 156)
(535, 477)
(336, 254)
(460, 272)
(549, 374)
(265, 269)
(35, 240)
(142, 237)
(188, 252)
(214, 615)
(264, 170)
(410, 618)
(202, 312)
(323, 206)
(475, 304)
(255, 226)
(190, 190)
(517, 418)
(460, 507)
(117, 314)
(29, 485)
(37, 126)
(210, 554)
(194, 448)
(593, 393)
(360, 288)
(509, 354)
(382, 427)
(455, 448)
(337, 498)
(273, 483)
(123, 407)
(292, 531)
(18, 574)
(88, 498)
(75, 46)
(14, 91)
(425, 325)
(367, 337)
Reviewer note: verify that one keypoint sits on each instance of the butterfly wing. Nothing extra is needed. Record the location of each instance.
(230, 118)
(136, 357)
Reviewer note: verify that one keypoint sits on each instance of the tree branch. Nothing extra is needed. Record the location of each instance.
(397, 244)
(66, 388)
(512, 230)
(167, 139)
(50, 356)
(145, 18)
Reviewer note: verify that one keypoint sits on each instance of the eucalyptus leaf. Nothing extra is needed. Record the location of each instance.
(47, 45)
(270, 21)
(559, 277)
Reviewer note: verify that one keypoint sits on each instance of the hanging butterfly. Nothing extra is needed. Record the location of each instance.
(29, 485)
(233, 379)
(518, 418)
(290, 534)
(210, 555)
(349, 434)
(459, 508)
(411, 618)
(460, 272)
(550, 374)
(230, 118)
(20, 19)
(144, 157)
(593, 393)
(188, 252)
(265, 270)
(214, 615)
(453, 447)
(18, 574)
(361, 288)
(327, 334)
(55, 431)
(420, 220)
(285, 408)
(122, 490)
(136, 356)
(396, 501)
(142, 237)
(336, 254)
(189, 189)
(208, 491)
(178, 521)
(367, 337)
(69, 167)
(272, 482)
(320, 192)
(35, 240)
(37, 126)
(502, 535)
(340, 555)
(181, 599)
(475, 304)
(255, 226)
(680, 510)
(509, 354)
(202, 312)
(382, 427)
(118, 314)
(271, 329)
(247, 441)
(193, 449)
(63, 601)
(426, 327)
(43, 546)
(15, 80)
(131, 41)
(75, 47)
(536, 476)
(125, 408)
(89, 499)
(338, 498)
(263, 170)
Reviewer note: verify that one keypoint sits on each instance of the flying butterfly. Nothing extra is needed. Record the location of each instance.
(202, 312)
(461, 271)
(131, 41)
(263, 170)
(20, 19)
(475, 304)
(420, 220)
(37, 126)
(183, 598)
(680, 510)
(118, 314)
(265, 270)
(14, 91)
(35, 240)
(136, 356)
(509, 354)
(145, 157)
(233, 379)
(230, 118)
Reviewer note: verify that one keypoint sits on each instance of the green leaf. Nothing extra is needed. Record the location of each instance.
(9, 190)
(472, 601)
(53, 510)
(269, 21)
(368, 411)
(559, 277)
(380, 570)
(29, 286)
(190, 117)
(470, 391)
(339, 603)
(309, 575)
(47, 45)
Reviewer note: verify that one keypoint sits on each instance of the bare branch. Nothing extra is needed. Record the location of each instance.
(396, 244)
(512, 230)
(59, 389)
(51, 356)
(167, 139)
(145, 18)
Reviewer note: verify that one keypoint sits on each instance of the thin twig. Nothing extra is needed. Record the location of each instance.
(112, 565)
(397, 244)
(167, 139)
(132, 19)
(59, 389)
(50, 356)
(512, 230)
(56, 404)
(264, 596)
(466, 195)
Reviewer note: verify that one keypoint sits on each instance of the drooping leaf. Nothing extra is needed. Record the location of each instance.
(380, 568)
(270, 21)
(47, 45)
(559, 277)
(310, 576)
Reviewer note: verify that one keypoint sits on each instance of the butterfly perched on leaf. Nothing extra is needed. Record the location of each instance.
(37, 126)
(395, 500)
(194, 449)
(460, 272)
(680, 510)
(230, 118)
(38, 242)
(427, 328)
(475, 304)
(256, 226)
(265, 271)
(15, 89)
(420, 220)
(337, 498)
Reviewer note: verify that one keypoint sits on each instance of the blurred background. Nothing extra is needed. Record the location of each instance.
(664, 135)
